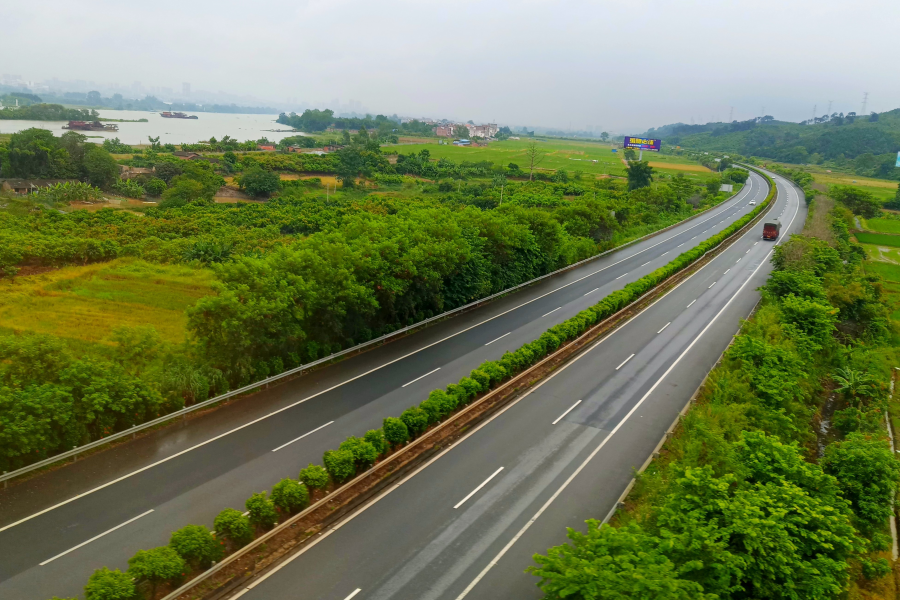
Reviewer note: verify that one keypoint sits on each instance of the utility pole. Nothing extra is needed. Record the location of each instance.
(865, 99)
(829, 106)
(731, 114)
(815, 106)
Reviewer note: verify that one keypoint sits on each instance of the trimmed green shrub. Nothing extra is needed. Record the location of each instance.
(156, 566)
(433, 408)
(416, 419)
(109, 585)
(483, 379)
(340, 464)
(315, 477)
(395, 431)
(364, 453)
(290, 495)
(232, 525)
(262, 510)
(196, 545)
(470, 386)
(376, 438)
(156, 186)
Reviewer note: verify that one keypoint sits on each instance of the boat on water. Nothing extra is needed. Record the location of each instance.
(91, 126)
(176, 115)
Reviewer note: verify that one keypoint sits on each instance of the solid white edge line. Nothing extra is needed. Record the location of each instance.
(420, 377)
(568, 410)
(618, 426)
(499, 338)
(325, 391)
(551, 312)
(96, 537)
(692, 301)
(302, 436)
(624, 361)
(475, 491)
(663, 327)
(353, 593)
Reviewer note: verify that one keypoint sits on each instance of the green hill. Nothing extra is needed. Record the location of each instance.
(868, 145)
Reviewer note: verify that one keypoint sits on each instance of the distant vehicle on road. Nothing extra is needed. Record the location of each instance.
(753, 203)
(771, 230)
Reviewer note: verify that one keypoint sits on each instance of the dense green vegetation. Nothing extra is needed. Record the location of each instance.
(299, 277)
(197, 547)
(746, 502)
(314, 120)
(865, 145)
(48, 112)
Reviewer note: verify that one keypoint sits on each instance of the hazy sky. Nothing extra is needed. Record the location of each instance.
(622, 65)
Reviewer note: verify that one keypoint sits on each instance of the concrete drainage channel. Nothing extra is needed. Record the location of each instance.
(73, 454)
(237, 572)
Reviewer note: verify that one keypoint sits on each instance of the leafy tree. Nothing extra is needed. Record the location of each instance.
(196, 545)
(630, 154)
(460, 132)
(315, 477)
(100, 167)
(352, 164)
(812, 318)
(395, 431)
(604, 136)
(182, 191)
(854, 384)
(340, 464)
(155, 566)
(167, 171)
(607, 562)
(155, 187)
(262, 510)
(640, 174)
(109, 585)
(260, 183)
(861, 202)
(35, 153)
(232, 525)
(290, 495)
(867, 474)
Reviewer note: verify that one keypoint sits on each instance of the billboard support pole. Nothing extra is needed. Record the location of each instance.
(641, 155)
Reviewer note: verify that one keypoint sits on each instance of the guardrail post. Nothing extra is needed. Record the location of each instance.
(74, 456)
(5, 481)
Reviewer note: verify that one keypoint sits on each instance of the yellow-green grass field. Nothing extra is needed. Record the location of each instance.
(883, 189)
(87, 303)
(880, 239)
(557, 154)
(881, 225)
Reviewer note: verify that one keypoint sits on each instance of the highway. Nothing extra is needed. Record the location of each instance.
(100, 510)
(466, 524)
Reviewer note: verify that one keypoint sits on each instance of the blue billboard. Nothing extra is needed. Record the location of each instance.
(639, 143)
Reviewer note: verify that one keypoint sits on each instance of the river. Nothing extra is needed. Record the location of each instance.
(172, 131)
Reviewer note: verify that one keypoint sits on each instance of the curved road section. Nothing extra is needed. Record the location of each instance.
(467, 524)
(100, 510)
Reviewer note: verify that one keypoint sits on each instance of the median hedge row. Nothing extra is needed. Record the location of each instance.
(194, 547)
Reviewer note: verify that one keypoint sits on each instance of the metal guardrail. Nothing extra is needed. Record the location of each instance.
(75, 451)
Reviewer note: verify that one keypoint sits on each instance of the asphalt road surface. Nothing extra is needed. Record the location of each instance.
(467, 524)
(57, 528)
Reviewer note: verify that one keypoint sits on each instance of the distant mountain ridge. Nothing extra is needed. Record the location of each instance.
(870, 142)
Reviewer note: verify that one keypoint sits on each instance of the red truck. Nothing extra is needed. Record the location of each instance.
(771, 230)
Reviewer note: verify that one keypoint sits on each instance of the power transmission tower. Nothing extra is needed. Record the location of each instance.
(829, 106)
(731, 114)
(815, 106)
(865, 99)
